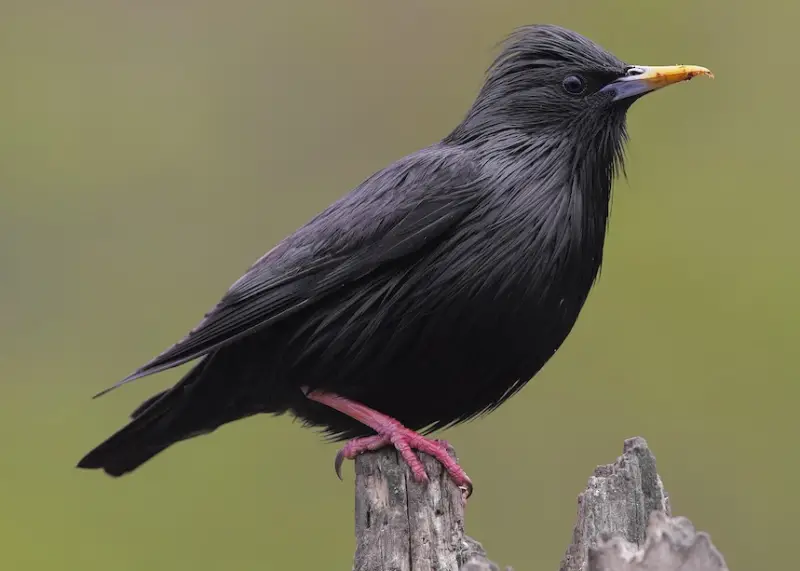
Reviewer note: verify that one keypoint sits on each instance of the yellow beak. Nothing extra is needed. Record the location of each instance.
(641, 79)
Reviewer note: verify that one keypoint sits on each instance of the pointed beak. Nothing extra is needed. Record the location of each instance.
(641, 79)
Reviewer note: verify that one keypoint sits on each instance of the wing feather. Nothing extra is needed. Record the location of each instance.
(393, 214)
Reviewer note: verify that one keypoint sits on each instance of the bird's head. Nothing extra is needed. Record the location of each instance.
(548, 79)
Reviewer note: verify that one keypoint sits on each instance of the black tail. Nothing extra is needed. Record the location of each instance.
(119, 455)
(156, 424)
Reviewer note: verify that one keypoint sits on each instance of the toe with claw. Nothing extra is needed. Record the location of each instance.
(390, 432)
(406, 442)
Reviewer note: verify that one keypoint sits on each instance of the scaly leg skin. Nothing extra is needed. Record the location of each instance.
(391, 432)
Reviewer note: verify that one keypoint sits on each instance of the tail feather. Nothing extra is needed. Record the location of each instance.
(114, 463)
(147, 404)
(156, 424)
(130, 447)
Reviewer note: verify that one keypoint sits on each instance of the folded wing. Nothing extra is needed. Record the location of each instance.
(398, 212)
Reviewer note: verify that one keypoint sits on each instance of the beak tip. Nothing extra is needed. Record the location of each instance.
(693, 71)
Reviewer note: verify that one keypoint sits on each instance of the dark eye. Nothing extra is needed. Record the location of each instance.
(573, 84)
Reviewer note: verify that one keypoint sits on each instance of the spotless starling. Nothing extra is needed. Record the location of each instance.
(434, 290)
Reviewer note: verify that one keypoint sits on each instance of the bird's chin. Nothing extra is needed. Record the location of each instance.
(625, 104)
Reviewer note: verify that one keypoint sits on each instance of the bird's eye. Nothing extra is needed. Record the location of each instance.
(573, 84)
(633, 70)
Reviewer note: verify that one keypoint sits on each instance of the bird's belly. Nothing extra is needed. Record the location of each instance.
(433, 364)
(439, 341)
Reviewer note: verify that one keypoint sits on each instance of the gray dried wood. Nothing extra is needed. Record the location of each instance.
(405, 526)
(672, 545)
(402, 525)
(617, 501)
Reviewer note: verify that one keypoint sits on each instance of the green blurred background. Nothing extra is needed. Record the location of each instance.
(151, 150)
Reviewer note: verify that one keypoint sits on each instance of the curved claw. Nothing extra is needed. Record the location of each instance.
(407, 442)
(337, 463)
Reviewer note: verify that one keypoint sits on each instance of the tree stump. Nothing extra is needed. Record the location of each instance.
(623, 524)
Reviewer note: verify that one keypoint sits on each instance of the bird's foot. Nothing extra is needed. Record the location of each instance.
(391, 433)
(406, 441)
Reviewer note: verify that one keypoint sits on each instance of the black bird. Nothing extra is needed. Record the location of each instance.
(434, 290)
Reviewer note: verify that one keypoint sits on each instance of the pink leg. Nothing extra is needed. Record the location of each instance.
(391, 432)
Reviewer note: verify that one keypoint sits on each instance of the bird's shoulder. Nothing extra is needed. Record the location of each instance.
(418, 190)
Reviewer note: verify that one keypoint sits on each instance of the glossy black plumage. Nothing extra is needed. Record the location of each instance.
(434, 290)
